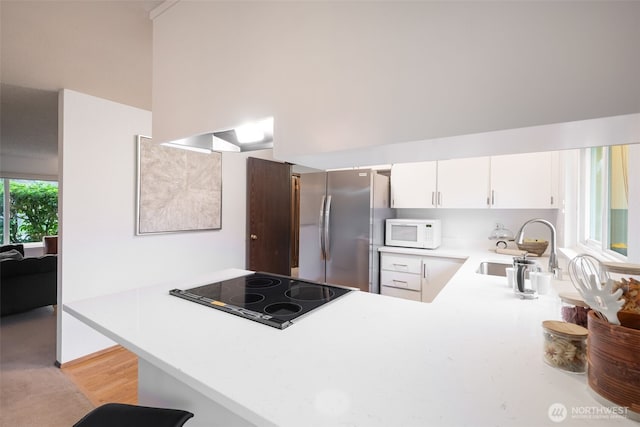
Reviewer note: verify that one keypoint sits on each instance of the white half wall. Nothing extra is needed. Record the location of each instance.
(99, 251)
(393, 81)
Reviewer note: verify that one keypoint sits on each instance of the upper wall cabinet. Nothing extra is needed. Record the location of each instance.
(524, 181)
(459, 183)
(463, 183)
(519, 181)
(413, 185)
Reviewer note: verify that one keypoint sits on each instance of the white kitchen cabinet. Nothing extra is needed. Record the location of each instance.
(401, 276)
(413, 185)
(457, 183)
(437, 272)
(463, 183)
(523, 181)
(415, 277)
(401, 263)
(513, 181)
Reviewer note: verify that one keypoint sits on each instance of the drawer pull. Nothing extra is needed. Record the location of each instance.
(401, 265)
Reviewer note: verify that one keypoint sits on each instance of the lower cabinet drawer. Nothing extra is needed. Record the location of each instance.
(402, 263)
(401, 293)
(396, 279)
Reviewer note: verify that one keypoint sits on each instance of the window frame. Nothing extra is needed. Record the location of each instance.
(585, 242)
(6, 183)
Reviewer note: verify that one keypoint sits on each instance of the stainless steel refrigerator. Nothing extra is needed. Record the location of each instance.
(342, 217)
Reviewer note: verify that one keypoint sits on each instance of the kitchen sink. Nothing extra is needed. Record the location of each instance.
(493, 268)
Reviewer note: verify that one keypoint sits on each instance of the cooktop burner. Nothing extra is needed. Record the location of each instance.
(266, 298)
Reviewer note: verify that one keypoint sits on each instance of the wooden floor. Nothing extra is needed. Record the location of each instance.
(107, 376)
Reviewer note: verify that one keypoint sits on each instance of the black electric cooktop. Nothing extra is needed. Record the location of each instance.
(266, 298)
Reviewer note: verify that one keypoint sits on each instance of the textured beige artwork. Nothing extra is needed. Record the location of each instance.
(178, 190)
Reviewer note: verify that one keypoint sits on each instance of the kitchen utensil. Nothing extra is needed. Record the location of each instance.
(522, 266)
(595, 287)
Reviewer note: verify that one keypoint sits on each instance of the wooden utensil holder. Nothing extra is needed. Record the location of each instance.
(613, 359)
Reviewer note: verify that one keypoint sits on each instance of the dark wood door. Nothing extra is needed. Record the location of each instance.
(268, 216)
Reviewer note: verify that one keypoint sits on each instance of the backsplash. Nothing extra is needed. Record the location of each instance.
(472, 227)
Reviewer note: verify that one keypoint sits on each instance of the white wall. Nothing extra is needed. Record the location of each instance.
(344, 77)
(98, 47)
(29, 133)
(99, 251)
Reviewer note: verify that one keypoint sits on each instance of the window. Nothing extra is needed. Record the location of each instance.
(606, 197)
(29, 210)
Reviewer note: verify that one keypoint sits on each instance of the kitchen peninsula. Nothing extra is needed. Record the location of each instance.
(472, 357)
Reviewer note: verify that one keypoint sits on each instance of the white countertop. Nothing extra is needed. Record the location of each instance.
(472, 357)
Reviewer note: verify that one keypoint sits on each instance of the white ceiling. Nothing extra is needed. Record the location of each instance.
(102, 48)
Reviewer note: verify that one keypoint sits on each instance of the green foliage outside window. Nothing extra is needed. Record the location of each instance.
(33, 210)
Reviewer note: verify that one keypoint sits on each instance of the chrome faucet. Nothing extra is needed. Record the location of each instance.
(553, 255)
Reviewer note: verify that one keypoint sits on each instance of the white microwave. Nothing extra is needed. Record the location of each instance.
(413, 233)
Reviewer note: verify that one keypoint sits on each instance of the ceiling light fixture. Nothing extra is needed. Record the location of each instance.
(249, 133)
(249, 137)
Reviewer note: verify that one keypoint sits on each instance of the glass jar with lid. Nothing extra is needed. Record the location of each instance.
(502, 235)
(565, 345)
(574, 309)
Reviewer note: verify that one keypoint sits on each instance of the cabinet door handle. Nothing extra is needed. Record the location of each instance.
(433, 198)
(424, 271)
(493, 197)
(551, 200)
(439, 198)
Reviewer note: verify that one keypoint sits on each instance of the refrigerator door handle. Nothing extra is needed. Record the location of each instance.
(327, 228)
(323, 254)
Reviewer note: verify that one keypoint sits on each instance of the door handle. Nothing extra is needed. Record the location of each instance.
(253, 237)
(433, 198)
(327, 228)
(321, 230)
(439, 198)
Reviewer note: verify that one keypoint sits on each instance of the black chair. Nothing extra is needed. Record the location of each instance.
(122, 415)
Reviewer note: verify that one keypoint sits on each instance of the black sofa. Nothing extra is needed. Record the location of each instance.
(27, 283)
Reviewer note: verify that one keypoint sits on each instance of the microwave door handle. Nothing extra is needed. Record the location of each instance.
(327, 228)
(321, 229)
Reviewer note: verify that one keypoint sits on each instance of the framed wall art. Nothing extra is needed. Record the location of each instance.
(178, 189)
